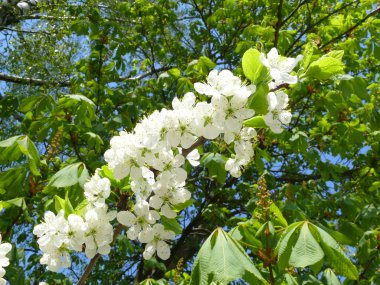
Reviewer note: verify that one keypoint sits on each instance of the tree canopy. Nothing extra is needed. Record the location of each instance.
(305, 210)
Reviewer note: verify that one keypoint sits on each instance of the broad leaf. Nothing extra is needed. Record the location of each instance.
(306, 251)
(222, 259)
(68, 176)
(336, 256)
(330, 278)
(171, 225)
(325, 68)
(253, 69)
(285, 245)
(256, 122)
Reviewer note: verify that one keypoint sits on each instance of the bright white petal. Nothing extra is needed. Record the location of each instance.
(163, 250)
(126, 218)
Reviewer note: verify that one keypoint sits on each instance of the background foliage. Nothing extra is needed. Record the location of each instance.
(128, 58)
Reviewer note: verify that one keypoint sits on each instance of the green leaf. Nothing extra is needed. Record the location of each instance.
(325, 68)
(221, 259)
(338, 54)
(258, 100)
(255, 122)
(253, 69)
(330, 278)
(17, 202)
(18, 145)
(13, 182)
(306, 251)
(245, 235)
(28, 148)
(77, 97)
(204, 65)
(285, 245)
(63, 204)
(335, 255)
(215, 163)
(179, 207)
(9, 142)
(308, 54)
(278, 217)
(171, 225)
(343, 239)
(68, 176)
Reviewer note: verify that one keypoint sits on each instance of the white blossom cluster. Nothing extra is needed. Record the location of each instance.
(153, 156)
(279, 68)
(4, 260)
(57, 236)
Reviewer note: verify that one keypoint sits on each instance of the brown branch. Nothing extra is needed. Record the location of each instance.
(351, 29)
(121, 205)
(283, 85)
(95, 259)
(46, 17)
(199, 142)
(293, 12)
(32, 81)
(278, 24)
(24, 31)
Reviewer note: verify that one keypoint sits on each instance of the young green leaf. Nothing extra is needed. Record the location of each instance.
(335, 255)
(253, 69)
(255, 122)
(221, 259)
(286, 244)
(306, 251)
(68, 176)
(325, 68)
(330, 278)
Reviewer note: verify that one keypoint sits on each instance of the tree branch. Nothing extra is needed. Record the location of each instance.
(32, 81)
(293, 12)
(121, 205)
(278, 24)
(95, 259)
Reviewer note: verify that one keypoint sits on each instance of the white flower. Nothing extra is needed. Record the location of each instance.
(4, 260)
(231, 114)
(233, 166)
(280, 67)
(97, 190)
(166, 162)
(168, 193)
(193, 157)
(55, 259)
(121, 157)
(181, 132)
(99, 231)
(277, 115)
(53, 231)
(156, 242)
(139, 222)
(224, 83)
(186, 104)
(75, 234)
(205, 121)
